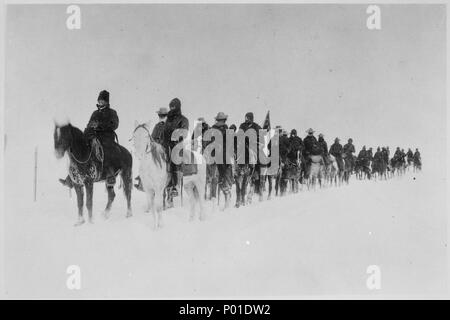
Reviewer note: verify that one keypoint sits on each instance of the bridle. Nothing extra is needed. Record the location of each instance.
(143, 126)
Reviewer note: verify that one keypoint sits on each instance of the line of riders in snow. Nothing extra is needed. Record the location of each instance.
(210, 161)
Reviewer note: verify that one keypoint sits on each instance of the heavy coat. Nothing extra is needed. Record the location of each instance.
(175, 120)
(102, 124)
(311, 146)
(245, 126)
(323, 145)
(336, 150)
(349, 149)
(296, 146)
(158, 132)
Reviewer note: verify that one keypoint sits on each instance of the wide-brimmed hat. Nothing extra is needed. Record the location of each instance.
(310, 131)
(162, 111)
(337, 139)
(221, 116)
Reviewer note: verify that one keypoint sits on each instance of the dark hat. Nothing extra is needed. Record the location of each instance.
(337, 139)
(249, 115)
(293, 131)
(310, 131)
(320, 135)
(221, 116)
(233, 127)
(175, 103)
(201, 119)
(103, 95)
(162, 111)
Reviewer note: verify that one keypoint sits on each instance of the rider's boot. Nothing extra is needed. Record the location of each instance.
(139, 185)
(67, 182)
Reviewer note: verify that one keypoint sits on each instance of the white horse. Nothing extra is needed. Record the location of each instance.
(155, 176)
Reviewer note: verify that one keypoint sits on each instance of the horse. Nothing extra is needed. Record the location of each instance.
(155, 176)
(332, 170)
(267, 174)
(244, 175)
(90, 162)
(347, 168)
(417, 164)
(316, 171)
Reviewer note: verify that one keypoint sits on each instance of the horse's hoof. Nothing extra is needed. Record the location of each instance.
(129, 215)
(79, 223)
(106, 214)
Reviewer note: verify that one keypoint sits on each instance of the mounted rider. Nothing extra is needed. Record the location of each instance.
(324, 147)
(336, 151)
(410, 156)
(417, 158)
(312, 148)
(175, 120)
(157, 135)
(349, 150)
(250, 124)
(224, 169)
(158, 129)
(363, 160)
(296, 147)
(102, 125)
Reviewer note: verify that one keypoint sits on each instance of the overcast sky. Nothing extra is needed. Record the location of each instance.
(311, 65)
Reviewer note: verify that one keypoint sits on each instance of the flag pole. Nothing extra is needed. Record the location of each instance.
(35, 172)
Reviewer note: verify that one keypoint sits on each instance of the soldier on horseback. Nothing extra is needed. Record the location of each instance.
(157, 135)
(336, 151)
(324, 148)
(102, 125)
(249, 124)
(175, 120)
(312, 148)
(224, 169)
(409, 156)
(349, 149)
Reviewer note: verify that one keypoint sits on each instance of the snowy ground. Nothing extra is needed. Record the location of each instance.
(311, 243)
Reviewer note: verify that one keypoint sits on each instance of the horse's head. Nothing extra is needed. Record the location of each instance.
(141, 137)
(62, 136)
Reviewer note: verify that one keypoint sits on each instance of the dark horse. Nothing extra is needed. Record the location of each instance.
(89, 164)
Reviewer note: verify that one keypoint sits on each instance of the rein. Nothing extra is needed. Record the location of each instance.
(143, 126)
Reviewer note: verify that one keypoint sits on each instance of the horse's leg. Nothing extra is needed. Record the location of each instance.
(238, 191)
(111, 196)
(269, 196)
(189, 187)
(157, 204)
(80, 199)
(89, 195)
(127, 181)
(149, 196)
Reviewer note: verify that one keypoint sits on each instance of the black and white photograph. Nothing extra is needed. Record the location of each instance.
(224, 151)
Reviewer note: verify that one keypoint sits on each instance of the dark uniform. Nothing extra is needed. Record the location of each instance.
(336, 151)
(245, 126)
(158, 132)
(225, 169)
(349, 149)
(311, 146)
(410, 156)
(102, 124)
(175, 120)
(296, 146)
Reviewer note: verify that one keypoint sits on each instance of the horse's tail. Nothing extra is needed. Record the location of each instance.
(126, 176)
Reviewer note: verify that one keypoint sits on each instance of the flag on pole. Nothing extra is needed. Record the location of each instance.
(266, 124)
